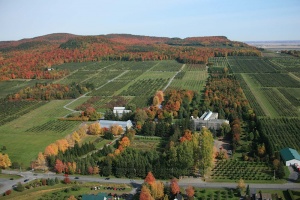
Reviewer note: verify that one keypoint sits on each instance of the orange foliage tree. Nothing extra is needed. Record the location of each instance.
(51, 149)
(175, 189)
(190, 192)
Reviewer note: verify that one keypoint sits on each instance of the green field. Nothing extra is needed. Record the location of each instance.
(29, 134)
(272, 88)
(14, 85)
(267, 83)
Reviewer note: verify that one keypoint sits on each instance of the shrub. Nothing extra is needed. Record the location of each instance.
(7, 192)
(20, 187)
(67, 190)
(75, 188)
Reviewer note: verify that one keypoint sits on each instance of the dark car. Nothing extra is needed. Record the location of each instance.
(76, 177)
(26, 180)
(107, 178)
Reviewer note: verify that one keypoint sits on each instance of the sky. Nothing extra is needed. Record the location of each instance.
(239, 20)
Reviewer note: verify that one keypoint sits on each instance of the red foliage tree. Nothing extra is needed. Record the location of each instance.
(190, 192)
(175, 189)
(59, 166)
(150, 179)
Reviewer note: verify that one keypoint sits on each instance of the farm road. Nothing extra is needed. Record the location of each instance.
(170, 81)
(195, 182)
(84, 95)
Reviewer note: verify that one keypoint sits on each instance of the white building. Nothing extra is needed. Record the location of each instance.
(290, 156)
(209, 120)
(109, 123)
(120, 110)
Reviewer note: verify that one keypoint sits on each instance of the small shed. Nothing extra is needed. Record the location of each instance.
(290, 156)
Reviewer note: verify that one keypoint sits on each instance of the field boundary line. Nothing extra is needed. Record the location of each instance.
(170, 81)
(256, 96)
(98, 71)
(294, 76)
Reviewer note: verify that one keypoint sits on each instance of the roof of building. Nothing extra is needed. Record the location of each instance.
(109, 123)
(289, 154)
(119, 108)
(101, 196)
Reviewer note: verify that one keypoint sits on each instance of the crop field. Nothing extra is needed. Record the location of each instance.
(273, 90)
(140, 66)
(252, 65)
(276, 80)
(13, 86)
(73, 66)
(250, 96)
(26, 136)
(290, 64)
(282, 105)
(218, 61)
(235, 170)
(119, 83)
(11, 110)
(191, 80)
(169, 65)
(281, 132)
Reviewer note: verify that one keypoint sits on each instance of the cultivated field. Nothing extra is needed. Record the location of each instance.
(27, 127)
(30, 133)
(273, 89)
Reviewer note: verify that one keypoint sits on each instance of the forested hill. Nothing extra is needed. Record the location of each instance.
(30, 58)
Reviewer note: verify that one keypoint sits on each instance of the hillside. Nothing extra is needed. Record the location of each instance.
(30, 58)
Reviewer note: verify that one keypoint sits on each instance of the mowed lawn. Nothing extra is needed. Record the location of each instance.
(29, 134)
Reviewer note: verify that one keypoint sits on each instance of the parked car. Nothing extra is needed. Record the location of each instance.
(107, 178)
(76, 177)
(26, 180)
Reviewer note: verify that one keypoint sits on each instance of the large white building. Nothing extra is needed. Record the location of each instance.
(209, 120)
(109, 123)
(290, 156)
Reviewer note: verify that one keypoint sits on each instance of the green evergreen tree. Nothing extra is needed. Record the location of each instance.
(20, 187)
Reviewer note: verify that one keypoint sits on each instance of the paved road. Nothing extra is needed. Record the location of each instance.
(196, 182)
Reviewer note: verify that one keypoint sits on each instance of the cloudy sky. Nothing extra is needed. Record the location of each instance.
(240, 20)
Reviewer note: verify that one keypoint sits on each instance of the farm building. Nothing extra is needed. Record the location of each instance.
(109, 123)
(120, 110)
(290, 156)
(101, 196)
(209, 120)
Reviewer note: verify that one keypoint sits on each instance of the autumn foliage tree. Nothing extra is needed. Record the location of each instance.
(156, 188)
(145, 193)
(175, 189)
(116, 129)
(95, 129)
(190, 192)
(4, 161)
(125, 142)
(150, 179)
(51, 149)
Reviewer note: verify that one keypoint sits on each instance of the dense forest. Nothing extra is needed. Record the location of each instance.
(34, 58)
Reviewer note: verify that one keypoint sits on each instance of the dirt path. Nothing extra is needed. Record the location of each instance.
(170, 81)
(256, 95)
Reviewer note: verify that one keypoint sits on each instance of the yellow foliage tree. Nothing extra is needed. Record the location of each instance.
(51, 149)
(82, 131)
(41, 160)
(116, 129)
(95, 129)
(75, 137)
(241, 185)
(62, 145)
(4, 161)
(261, 150)
(125, 142)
